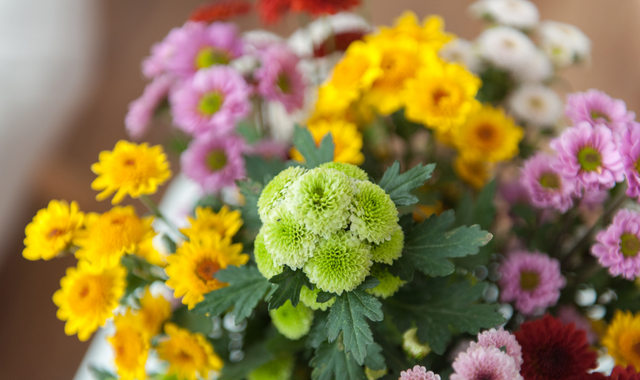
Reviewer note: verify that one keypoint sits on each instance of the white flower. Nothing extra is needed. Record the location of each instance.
(463, 52)
(564, 43)
(520, 14)
(505, 47)
(536, 69)
(536, 105)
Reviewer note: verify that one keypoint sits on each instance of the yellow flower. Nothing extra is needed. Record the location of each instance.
(347, 140)
(475, 173)
(109, 236)
(623, 338)
(192, 268)
(130, 169)
(429, 35)
(488, 135)
(442, 94)
(87, 297)
(154, 311)
(52, 230)
(189, 354)
(130, 347)
(224, 223)
(147, 251)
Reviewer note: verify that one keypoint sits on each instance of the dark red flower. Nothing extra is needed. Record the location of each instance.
(552, 351)
(621, 373)
(271, 10)
(220, 11)
(338, 42)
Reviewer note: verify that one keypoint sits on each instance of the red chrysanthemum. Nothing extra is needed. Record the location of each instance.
(220, 11)
(272, 10)
(552, 351)
(621, 373)
(337, 42)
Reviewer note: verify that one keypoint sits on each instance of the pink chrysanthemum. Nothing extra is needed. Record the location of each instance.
(532, 280)
(545, 186)
(214, 161)
(278, 77)
(418, 373)
(498, 339)
(618, 246)
(156, 64)
(596, 107)
(630, 152)
(142, 109)
(484, 363)
(212, 101)
(588, 154)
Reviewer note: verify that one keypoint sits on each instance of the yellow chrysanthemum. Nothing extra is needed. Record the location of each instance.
(442, 94)
(489, 135)
(191, 270)
(130, 347)
(347, 140)
(224, 223)
(430, 34)
(52, 230)
(154, 311)
(623, 338)
(189, 354)
(147, 251)
(130, 169)
(88, 296)
(475, 173)
(107, 237)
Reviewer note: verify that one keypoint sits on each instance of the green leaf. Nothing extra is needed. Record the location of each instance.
(251, 191)
(496, 84)
(332, 362)
(318, 333)
(481, 212)
(289, 283)
(261, 169)
(199, 323)
(249, 131)
(314, 156)
(169, 243)
(433, 307)
(349, 314)
(246, 288)
(101, 374)
(323, 297)
(374, 358)
(254, 357)
(431, 243)
(399, 186)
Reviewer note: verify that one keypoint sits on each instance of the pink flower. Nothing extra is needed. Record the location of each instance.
(484, 363)
(214, 161)
(596, 107)
(589, 155)
(418, 373)
(630, 151)
(545, 186)
(498, 339)
(513, 192)
(279, 79)
(161, 52)
(618, 246)
(212, 101)
(532, 280)
(142, 109)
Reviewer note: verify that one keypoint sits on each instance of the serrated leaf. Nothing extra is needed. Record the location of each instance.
(399, 186)
(332, 362)
(374, 358)
(246, 288)
(251, 191)
(482, 211)
(349, 314)
(289, 283)
(437, 306)
(260, 169)
(313, 155)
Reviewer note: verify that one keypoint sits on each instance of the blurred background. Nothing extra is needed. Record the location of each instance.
(69, 68)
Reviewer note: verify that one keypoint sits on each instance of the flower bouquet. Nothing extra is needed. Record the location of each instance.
(378, 203)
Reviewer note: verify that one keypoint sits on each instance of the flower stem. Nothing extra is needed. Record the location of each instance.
(158, 214)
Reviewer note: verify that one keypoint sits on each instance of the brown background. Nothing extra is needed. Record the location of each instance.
(32, 341)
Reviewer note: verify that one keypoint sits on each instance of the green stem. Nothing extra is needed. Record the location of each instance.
(158, 214)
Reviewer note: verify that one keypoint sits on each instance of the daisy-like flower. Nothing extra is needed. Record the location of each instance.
(130, 169)
(536, 69)
(390, 250)
(277, 369)
(153, 312)
(630, 152)
(389, 284)
(287, 240)
(130, 347)
(531, 280)
(192, 268)
(141, 110)
(588, 154)
(552, 351)
(622, 338)
(309, 298)
(521, 14)
(462, 52)
(501, 339)
(545, 186)
(618, 246)
(87, 297)
(347, 140)
(225, 223)
(109, 236)
(596, 107)
(52, 230)
(156, 64)
(418, 373)
(374, 216)
(430, 35)
(190, 355)
(536, 105)
(474, 172)
(263, 258)
(278, 77)
(506, 48)
(274, 193)
(563, 43)
(484, 363)
(213, 100)
(214, 161)
(292, 322)
(220, 10)
(412, 345)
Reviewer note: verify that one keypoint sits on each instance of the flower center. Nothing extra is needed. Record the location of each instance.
(536, 103)
(216, 159)
(206, 269)
(54, 233)
(550, 181)
(629, 245)
(210, 103)
(552, 362)
(629, 344)
(589, 159)
(637, 166)
(595, 115)
(209, 56)
(529, 280)
(483, 376)
(440, 94)
(284, 83)
(508, 44)
(485, 133)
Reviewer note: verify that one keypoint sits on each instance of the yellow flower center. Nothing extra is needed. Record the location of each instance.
(629, 344)
(536, 103)
(529, 280)
(550, 180)
(216, 159)
(206, 269)
(629, 244)
(210, 103)
(439, 94)
(55, 232)
(595, 115)
(637, 166)
(284, 83)
(114, 233)
(209, 56)
(89, 294)
(398, 65)
(589, 159)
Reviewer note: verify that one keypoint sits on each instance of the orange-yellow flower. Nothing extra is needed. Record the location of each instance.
(189, 354)
(52, 230)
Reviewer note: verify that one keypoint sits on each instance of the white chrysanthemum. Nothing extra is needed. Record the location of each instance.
(463, 52)
(536, 105)
(520, 14)
(564, 43)
(536, 69)
(505, 47)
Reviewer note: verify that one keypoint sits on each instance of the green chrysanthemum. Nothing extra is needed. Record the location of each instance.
(389, 250)
(292, 322)
(339, 263)
(308, 297)
(373, 374)
(320, 199)
(374, 216)
(348, 169)
(389, 284)
(412, 345)
(275, 191)
(263, 258)
(278, 369)
(287, 240)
